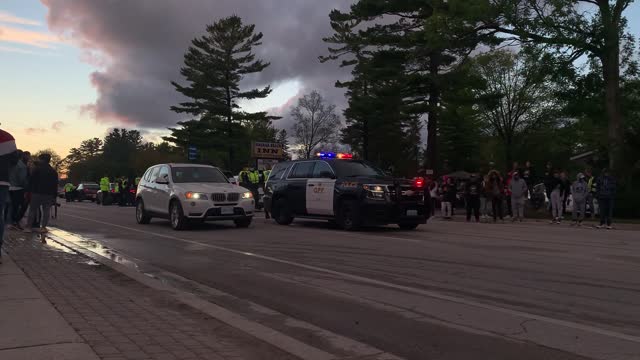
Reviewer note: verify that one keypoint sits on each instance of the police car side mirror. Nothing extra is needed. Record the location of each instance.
(326, 175)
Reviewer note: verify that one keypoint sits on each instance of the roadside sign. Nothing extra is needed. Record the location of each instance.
(265, 150)
(193, 152)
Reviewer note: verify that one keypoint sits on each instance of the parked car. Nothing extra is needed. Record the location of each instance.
(185, 193)
(87, 191)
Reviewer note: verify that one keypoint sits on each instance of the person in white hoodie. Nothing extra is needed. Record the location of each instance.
(518, 189)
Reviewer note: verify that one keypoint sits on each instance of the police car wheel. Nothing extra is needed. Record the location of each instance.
(141, 215)
(281, 212)
(349, 217)
(243, 223)
(408, 226)
(176, 216)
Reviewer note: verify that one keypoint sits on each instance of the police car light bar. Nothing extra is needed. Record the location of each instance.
(331, 155)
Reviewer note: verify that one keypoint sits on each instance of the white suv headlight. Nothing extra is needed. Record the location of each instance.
(195, 196)
(247, 195)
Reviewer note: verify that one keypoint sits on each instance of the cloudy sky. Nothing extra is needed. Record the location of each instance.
(72, 69)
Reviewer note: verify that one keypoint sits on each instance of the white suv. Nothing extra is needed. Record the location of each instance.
(188, 192)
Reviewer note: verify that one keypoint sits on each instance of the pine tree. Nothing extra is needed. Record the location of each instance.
(283, 139)
(214, 65)
(431, 37)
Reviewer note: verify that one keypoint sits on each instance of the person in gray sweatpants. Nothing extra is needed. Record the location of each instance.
(579, 191)
(518, 189)
(555, 185)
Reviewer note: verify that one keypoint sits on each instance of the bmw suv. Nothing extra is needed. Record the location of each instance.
(186, 193)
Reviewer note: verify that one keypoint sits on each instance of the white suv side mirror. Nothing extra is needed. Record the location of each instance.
(162, 180)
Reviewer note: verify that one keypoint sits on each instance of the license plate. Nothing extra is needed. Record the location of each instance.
(412, 212)
(226, 210)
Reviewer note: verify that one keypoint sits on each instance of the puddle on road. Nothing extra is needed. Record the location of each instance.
(91, 245)
(56, 246)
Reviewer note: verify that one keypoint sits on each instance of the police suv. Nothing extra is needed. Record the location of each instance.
(353, 193)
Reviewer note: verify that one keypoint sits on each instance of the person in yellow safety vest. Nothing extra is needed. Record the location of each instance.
(104, 190)
(243, 177)
(104, 184)
(254, 176)
(68, 191)
(266, 175)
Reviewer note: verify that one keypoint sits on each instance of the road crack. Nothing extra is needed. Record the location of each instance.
(523, 328)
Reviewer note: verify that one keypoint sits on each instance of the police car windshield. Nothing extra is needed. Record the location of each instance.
(197, 174)
(355, 168)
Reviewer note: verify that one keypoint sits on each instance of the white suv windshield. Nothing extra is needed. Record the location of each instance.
(197, 174)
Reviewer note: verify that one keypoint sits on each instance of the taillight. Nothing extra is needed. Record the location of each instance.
(419, 182)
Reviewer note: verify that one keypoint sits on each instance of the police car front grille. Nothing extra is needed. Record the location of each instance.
(407, 193)
(233, 197)
(218, 197)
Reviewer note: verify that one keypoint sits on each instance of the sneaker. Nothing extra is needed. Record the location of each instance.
(44, 230)
(609, 227)
(600, 227)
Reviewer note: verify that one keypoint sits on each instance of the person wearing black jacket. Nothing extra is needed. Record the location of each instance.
(549, 181)
(44, 188)
(472, 192)
(449, 193)
(566, 191)
(529, 175)
(8, 158)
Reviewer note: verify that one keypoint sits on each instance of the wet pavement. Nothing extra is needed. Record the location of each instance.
(446, 291)
(121, 318)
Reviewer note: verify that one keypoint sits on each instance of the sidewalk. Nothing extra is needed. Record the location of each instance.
(58, 304)
(30, 327)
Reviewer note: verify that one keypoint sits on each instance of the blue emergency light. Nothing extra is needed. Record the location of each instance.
(332, 155)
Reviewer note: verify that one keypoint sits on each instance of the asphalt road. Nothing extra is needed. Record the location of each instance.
(449, 290)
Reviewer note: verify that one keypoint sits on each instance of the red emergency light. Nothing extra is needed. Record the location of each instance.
(419, 182)
(331, 155)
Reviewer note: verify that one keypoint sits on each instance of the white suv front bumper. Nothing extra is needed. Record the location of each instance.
(206, 210)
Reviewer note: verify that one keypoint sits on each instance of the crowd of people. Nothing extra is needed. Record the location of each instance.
(485, 196)
(25, 184)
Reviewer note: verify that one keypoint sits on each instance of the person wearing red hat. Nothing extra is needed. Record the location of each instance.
(8, 158)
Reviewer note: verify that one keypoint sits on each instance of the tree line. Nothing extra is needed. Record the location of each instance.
(490, 80)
